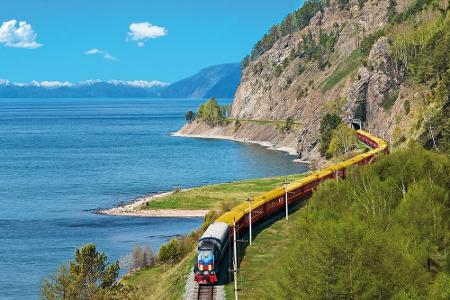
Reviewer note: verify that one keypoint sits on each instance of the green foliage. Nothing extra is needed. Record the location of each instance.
(392, 10)
(289, 123)
(380, 234)
(189, 116)
(87, 277)
(343, 4)
(369, 40)
(345, 68)
(328, 123)
(237, 125)
(139, 258)
(390, 99)
(293, 22)
(211, 113)
(278, 70)
(343, 139)
(318, 50)
(407, 106)
(171, 252)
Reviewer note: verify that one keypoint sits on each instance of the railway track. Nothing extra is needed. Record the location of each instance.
(204, 292)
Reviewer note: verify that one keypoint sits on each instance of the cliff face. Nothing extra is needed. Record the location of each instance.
(340, 63)
(266, 94)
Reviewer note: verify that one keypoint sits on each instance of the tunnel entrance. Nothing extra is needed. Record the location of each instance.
(356, 126)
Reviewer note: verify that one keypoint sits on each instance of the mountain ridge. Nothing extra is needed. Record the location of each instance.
(219, 81)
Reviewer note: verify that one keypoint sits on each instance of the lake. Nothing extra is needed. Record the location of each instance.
(60, 159)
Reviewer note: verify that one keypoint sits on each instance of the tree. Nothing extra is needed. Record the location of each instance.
(58, 286)
(288, 124)
(87, 276)
(189, 116)
(211, 113)
(171, 252)
(342, 141)
(328, 123)
(139, 258)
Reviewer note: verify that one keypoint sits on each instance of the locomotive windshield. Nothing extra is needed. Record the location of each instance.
(205, 257)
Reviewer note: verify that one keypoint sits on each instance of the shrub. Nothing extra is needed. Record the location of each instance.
(171, 252)
(189, 116)
(237, 125)
(328, 123)
(139, 258)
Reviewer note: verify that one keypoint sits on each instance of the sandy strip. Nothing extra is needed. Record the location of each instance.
(132, 209)
(269, 145)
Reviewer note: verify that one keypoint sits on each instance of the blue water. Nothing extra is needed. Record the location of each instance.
(62, 158)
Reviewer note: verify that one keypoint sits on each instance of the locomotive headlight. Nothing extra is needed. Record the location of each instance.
(200, 267)
(209, 267)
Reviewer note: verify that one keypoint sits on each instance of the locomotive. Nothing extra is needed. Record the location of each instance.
(214, 242)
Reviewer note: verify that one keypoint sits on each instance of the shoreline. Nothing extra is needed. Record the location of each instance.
(132, 209)
(268, 145)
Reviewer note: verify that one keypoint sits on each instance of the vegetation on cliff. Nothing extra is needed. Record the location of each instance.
(381, 233)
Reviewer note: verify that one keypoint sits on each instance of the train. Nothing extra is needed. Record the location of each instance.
(214, 242)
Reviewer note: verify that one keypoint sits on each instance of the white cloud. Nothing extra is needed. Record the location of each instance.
(22, 36)
(142, 31)
(105, 54)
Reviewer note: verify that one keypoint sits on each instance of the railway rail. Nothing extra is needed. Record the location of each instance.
(204, 292)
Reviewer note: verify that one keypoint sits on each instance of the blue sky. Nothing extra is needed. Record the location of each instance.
(75, 40)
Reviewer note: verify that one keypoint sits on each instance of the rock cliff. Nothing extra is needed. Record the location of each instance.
(340, 62)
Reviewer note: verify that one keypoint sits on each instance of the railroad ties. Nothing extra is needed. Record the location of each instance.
(204, 292)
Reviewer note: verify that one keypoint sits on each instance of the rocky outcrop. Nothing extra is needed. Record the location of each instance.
(281, 84)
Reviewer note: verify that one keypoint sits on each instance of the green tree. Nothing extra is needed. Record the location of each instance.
(342, 141)
(171, 252)
(288, 124)
(85, 278)
(211, 113)
(328, 123)
(189, 116)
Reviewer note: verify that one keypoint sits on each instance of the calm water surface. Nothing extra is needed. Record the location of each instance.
(62, 158)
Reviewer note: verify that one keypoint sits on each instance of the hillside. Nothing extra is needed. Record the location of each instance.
(380, 234)
(382, 62)
(218, 81)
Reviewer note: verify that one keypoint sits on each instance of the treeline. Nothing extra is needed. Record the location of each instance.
(295, 21)
(383, 233)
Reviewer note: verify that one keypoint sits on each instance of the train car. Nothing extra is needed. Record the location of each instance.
(214, 242)
(210, 250)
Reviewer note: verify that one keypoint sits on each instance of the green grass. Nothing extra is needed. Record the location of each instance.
(259, 271)
(161, 281)
(345, 68)
(217, 195)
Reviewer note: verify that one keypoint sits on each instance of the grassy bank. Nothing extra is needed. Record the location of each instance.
(218, 196)
(161, 281)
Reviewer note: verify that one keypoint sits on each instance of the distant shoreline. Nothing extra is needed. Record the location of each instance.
(132, 209)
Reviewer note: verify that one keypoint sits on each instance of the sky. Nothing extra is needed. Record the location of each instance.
(166, 40)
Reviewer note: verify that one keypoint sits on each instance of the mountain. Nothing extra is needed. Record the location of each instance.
(384, 63)
(219, 81)
(216, 81)
(84, 89)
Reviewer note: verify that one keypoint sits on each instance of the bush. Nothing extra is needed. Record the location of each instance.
(139, 258)
(328, 123)
(171, 252)
(189, 116)
(237, 125)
